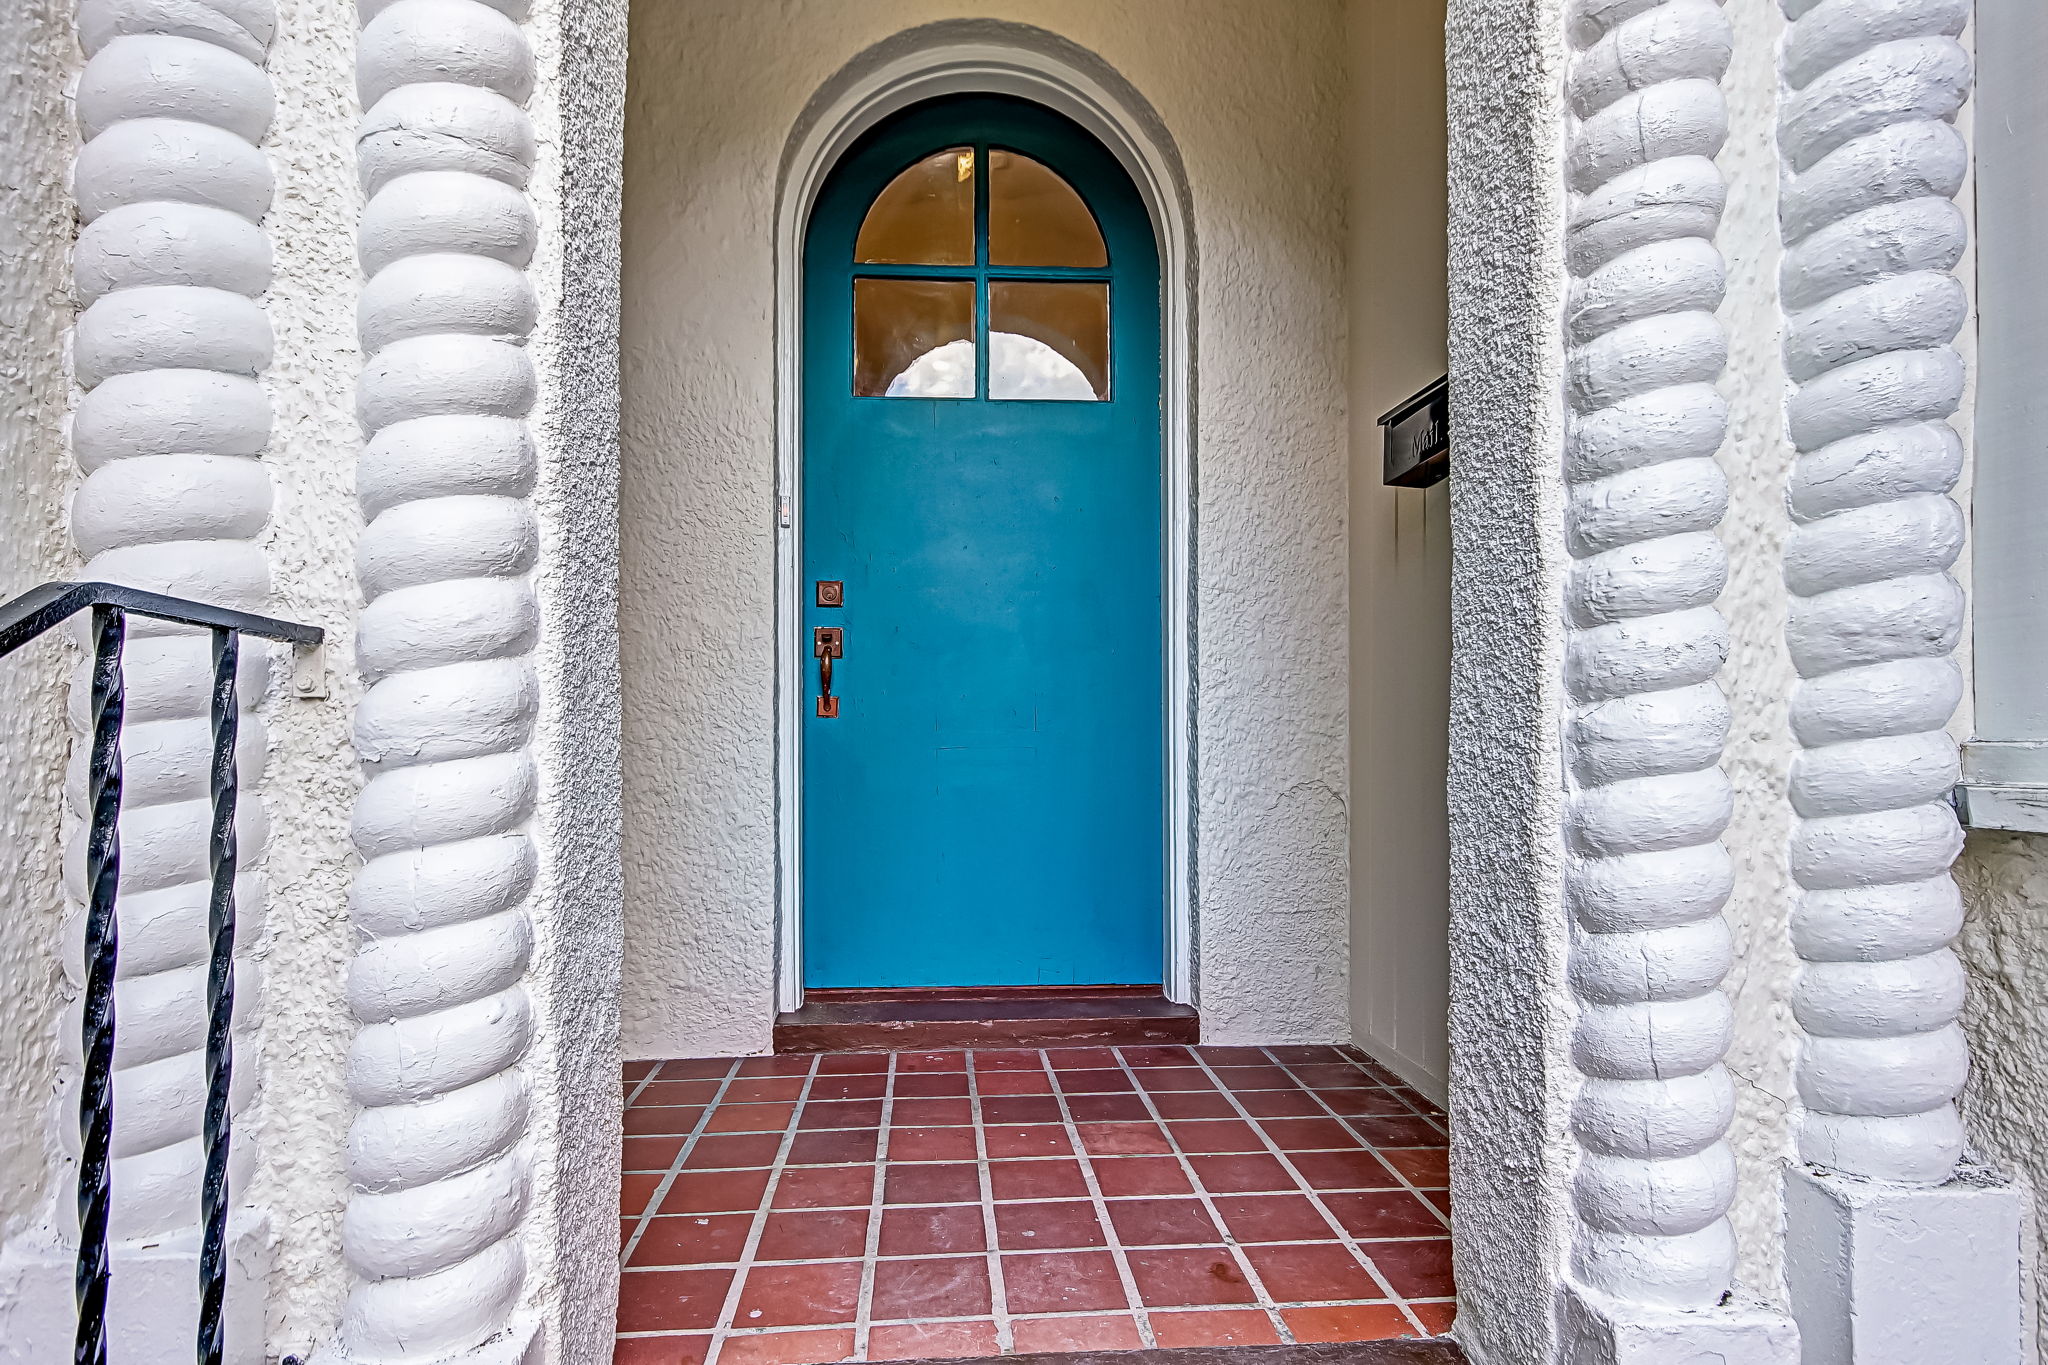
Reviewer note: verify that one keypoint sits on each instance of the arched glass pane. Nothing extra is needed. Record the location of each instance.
(1048, 340)
(913, 338)
(925, 216)
(1036, 219)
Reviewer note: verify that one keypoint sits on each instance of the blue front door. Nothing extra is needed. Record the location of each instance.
(981, 526)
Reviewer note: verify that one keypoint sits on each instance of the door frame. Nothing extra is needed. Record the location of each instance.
(836, 117)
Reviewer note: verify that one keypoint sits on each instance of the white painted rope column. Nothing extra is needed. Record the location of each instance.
(1647, 802)
(171, 267)
(438, 1153)
(1871, 239)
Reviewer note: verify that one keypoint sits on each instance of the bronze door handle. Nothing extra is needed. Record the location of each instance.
(827, 643)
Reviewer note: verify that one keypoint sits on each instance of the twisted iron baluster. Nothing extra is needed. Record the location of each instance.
(220, 1001)
(96, 1092)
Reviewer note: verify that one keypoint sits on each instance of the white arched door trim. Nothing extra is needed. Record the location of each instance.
(1003, 59)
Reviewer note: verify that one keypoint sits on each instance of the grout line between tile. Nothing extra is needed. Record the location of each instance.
(675, 1167)
(1000, 1313)
(723, 1326)
(1070, 1314)
(1038, 1199)
(1262, 1298)
(1114, 1240)
(998, 1294)
(955, 1255)
(1372, 1147)
(1402, 1092)
(1315, 1197)
(641, 1085)
(1398, 1088)
(1293, 1084)
(871, 1245)
(958, 1161)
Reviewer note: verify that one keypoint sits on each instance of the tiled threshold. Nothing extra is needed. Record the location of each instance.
(989, 1017)
(797, 1210)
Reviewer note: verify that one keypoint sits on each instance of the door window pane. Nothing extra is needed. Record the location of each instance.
(1036, 219)
(925, 216)
(913, 338)
(1048, 340)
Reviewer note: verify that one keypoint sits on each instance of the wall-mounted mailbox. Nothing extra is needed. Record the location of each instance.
(1418, 438)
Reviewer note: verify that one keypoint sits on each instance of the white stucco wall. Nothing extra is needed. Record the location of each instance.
(1509, 923)
(312, 777)
(1400, 543)
(1758, 677)
(41, 59)
(1518, 1069)
(580, 50)
(485, 985)
(2004, 878)
(298, 1125)
(1252, 97)
(2004, 942)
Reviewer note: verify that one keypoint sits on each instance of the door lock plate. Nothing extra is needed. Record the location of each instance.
(831, 592)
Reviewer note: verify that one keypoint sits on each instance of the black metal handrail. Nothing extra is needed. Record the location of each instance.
(24, 619)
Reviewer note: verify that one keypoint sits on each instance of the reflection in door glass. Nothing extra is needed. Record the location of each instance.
(925, 216)
(1048, 340)
(1036, 219)
(913, 338)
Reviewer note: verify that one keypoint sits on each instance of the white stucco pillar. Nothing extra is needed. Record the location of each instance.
(170, 345)
(484, 1155)
(1893, 1254)
(1645, 874)
(1592, 1169)
(440, 1153)
(1648, 802)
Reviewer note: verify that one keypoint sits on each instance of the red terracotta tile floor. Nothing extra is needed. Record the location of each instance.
(796, 1210)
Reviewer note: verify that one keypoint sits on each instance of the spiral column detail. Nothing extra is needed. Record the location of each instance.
(1647, 801)
(170, 270)
(1872, 237)
(437, 1154)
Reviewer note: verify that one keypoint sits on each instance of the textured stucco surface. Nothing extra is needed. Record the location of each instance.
(40, 58)
(580, 49)
(170, 341)
(2004, 942)
(1510, 1061)
(1256, 108)
(1871, 90)
(1400, 543)
(1252, 97)
(484, 1153)
(313, 776)
(1758, 677)
(1647, 800)
(2004, 878)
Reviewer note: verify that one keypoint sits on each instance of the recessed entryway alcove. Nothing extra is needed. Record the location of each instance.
(1245, 163)
(1256, 452)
